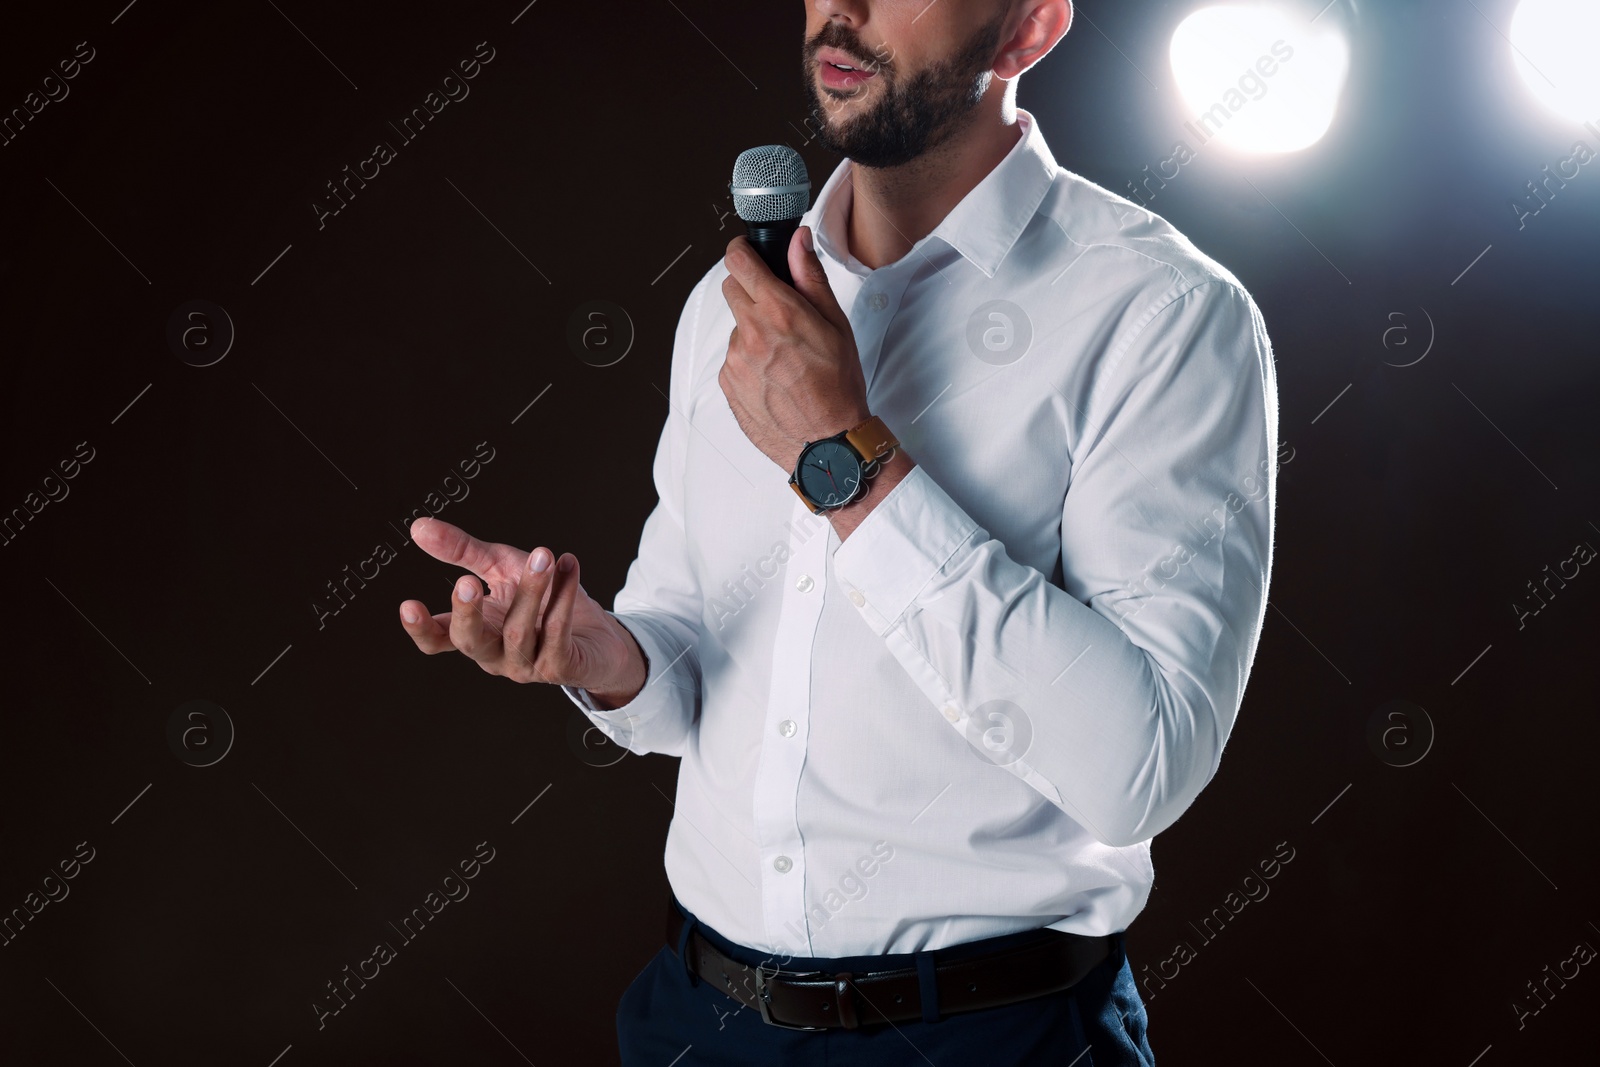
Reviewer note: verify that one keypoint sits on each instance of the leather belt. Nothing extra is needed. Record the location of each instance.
(817, 1000)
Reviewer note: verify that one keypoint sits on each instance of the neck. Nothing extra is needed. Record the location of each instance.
(892, 208)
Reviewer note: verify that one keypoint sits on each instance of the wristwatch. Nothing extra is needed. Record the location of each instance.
(834, 471)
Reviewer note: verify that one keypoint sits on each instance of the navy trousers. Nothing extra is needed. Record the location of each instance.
(667, 1016)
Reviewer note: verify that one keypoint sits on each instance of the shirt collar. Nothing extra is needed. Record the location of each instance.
(982, 227)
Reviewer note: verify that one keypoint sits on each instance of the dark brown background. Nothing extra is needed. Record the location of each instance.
(378, 351)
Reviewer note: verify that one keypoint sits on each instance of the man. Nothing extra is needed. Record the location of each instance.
(927, 734)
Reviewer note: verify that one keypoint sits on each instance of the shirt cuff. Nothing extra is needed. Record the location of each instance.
(899, 547)
(582, 699)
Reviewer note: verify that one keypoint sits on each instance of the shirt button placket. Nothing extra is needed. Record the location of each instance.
(783, 758)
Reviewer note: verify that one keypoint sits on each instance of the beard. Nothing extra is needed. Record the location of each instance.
(909, 118)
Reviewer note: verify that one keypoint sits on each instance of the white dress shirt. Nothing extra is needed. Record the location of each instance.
(969, 718)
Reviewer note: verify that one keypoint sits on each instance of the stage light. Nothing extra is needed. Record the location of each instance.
(1259, 77)
(1552, 44)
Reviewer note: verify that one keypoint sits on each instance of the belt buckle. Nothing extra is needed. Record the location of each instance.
(762, 998)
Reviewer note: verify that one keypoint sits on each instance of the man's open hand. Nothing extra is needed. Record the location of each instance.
(533, 626)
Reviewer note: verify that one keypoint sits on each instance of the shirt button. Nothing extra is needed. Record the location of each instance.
(805, 583)
(782, 864)
(856, 598)
(877, 301)
(951, 713)
(786, 727)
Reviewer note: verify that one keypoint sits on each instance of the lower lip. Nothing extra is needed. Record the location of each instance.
(835, 78)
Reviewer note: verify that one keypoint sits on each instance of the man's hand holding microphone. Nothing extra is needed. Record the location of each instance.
(535, 625)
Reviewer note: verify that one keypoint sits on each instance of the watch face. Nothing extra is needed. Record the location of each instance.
(830, 473)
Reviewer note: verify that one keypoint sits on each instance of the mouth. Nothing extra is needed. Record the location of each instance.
(842, 71)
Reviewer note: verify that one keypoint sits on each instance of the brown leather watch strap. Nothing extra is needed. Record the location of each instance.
(872, 439)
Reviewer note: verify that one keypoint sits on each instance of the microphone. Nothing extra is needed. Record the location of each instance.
(771, 190)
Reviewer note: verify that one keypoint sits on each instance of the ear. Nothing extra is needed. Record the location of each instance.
(1044, 22)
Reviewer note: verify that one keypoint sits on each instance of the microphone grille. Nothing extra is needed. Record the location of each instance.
(770, 184)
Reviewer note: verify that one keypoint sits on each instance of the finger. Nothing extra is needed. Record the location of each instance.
(426, 630)
(467, 631)
(751, 273)
(739, 301)
(742, 261)
(520, 631)
(452, 544)
(555, 642)
(811, 280)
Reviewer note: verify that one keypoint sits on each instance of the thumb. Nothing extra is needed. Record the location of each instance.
(810, 280)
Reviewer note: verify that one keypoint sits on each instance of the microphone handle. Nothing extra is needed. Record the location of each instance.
(771, 242)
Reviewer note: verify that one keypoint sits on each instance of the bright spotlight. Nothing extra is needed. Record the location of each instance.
(1552, 43)
(1259, 77)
